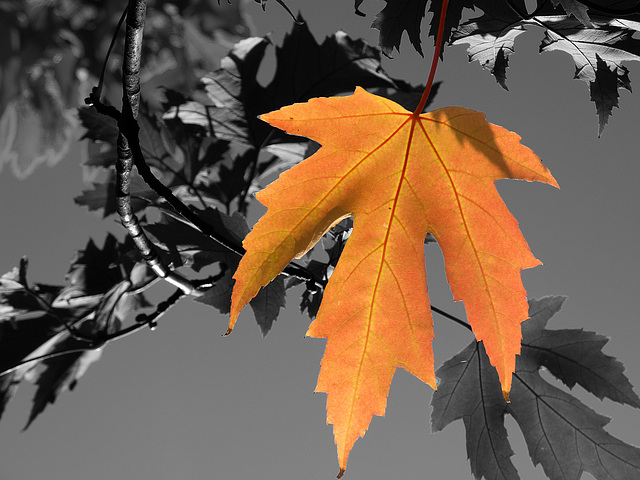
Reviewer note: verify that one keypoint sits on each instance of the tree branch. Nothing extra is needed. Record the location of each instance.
(129, 128)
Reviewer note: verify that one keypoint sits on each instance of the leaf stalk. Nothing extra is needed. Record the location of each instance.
(434, 62)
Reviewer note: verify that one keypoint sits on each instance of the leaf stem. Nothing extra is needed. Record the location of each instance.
(451, 317)
(434, 62)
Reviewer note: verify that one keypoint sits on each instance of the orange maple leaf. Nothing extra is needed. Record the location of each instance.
(400, 176)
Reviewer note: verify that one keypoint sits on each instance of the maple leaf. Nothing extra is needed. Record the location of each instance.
(400, 176)
(397, 17)
(598, 54)
(21, 329)
(491, 38)
(562, 434)
(452, 19)
(598, 51)
(228, 101)
(99, 127)
(30, 328)
(307, 69)
(231, 98)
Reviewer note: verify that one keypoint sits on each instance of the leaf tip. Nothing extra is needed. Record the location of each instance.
(505, 394)
(232, 322)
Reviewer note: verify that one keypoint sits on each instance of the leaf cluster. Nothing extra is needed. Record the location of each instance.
(599, 36)
(213, 153)
(50, 334)
(562, 434)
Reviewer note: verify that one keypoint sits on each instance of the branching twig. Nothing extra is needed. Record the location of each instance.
(293, 269)
(130, 153)
(150, 320)
(98, 342)
(129, 133)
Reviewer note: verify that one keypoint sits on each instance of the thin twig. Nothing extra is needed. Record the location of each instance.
(106, 60)
(150, 320)
(451, 317)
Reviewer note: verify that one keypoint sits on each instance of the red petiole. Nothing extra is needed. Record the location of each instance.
(434, 62)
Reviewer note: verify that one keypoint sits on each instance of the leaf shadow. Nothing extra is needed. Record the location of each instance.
(482, 138)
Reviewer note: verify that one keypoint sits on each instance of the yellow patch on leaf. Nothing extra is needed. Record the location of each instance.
(400, 176)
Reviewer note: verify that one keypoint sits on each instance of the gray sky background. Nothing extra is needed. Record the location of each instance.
(184, 402)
